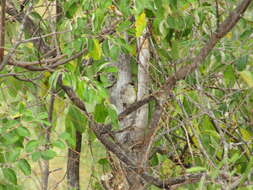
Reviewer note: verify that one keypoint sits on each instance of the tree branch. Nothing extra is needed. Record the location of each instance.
(32, 29)
(115, 149)
(224, 28)
(185, 70)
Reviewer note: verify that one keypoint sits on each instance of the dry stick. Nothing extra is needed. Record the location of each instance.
(2, 30)
(31, 63)
(10, 74)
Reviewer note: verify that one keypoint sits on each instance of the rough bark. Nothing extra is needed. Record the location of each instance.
(119, 180)
(124, 177)
(141, 120)
(73, 166)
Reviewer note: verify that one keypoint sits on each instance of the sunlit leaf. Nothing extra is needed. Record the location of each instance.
(140, 24)
(196, 169)
(96, 52)
(247, 77)
(48, 154)
(32, 145)
(24, 166)
(10, 175)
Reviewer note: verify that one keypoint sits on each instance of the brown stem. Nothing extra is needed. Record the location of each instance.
(73, 166)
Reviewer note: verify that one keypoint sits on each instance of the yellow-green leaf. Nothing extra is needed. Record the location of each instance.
(96, 53)
(245, 135)
(140, 24)
(247, 77)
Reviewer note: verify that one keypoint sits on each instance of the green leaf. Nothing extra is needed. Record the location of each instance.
(48, 154)
(247, 77)
(21, 107)
(234, 158)
(2, 158)
(32, 145)
(115, 52)
(105, 48)
(77, 44)
(98, 16)
(112, 113)
(176, 23)
(241, 63)
(53, 79)
(36, 156)
(108, 69)
(71, 10)
(10, 138)
(196, 169)
(23, 132)
(154, 161)
(103, 162)
(246, 34)
(12, 155)
(24, 166)
(59, 144)
(96, 52)
(246, 135)
(10, 175)
(140, 24)
(229, 76)
(67, 137)
(36, 16)
(77, 118)
(100, 113)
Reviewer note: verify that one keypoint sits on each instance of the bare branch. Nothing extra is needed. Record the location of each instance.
(32, 29)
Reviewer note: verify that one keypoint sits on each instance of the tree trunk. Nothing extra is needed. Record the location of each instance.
(131, 139)
(73, 165)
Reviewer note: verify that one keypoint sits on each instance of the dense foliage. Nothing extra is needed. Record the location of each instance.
(206, 125)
